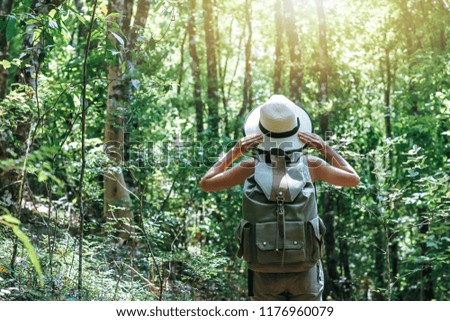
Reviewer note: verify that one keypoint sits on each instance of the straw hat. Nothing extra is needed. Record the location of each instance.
(279, 120)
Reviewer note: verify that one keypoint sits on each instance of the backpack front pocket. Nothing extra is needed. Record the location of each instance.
(274, 247)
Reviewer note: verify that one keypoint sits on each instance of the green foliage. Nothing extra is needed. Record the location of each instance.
(13, 224)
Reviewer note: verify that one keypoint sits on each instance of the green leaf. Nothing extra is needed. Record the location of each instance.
(81, 18)
(31, 252)
(119, 38)
(42, 177)
(5, 63)
(158, 6)
(10, 219)
(11, 28)
(52, 13)
(136, 83)
(432, 244)
(53, 24)
(114, 15)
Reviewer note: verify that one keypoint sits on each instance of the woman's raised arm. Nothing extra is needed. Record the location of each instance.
(337, 171)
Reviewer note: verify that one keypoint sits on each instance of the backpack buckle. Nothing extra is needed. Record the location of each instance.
(280, 203)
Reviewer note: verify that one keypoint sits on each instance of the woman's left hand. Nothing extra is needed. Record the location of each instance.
(312, 140)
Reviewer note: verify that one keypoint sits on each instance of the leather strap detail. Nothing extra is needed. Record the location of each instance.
(279, 182)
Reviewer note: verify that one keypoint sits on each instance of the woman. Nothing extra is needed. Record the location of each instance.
(281, 125)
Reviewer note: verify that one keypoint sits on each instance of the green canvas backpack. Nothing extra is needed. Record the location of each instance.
(280, 231)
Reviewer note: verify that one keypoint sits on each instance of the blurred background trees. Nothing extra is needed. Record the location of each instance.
(167, 87)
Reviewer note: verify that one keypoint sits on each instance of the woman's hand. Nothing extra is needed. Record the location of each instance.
(312, 140)
(218, 178)
(247, 143)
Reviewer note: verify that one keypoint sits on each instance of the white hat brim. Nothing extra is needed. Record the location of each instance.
(251, 127)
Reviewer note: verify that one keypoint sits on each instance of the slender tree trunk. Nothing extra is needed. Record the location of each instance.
(323, 53)
(81, 28)
(223, 72)
(132, 58)
(35, 52)
(387, 93)
(195, 66)
(295, 53)
(22, 133)
(380, 258)
(117, 200)
(5, 10)
(213, 85)
(83, 157)
(140, 21)
(8, 186)
(426, 281)
(277, 87)
(332, 286)
(409, 27)
(247, 92)
(394, 260)
(181, 69)
(444, 10)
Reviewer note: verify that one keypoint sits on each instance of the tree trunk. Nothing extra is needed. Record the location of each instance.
(408, 26)
(395, 261)
(140, 21)
(332, 287)
(223, 72)
(442, 12)
(426, 281)
(277, 87)
(247, 92)
(33, 58)
(323, 53)
(181, 68)
(410, 50)
(28, 76)
(213, 85)
(5, 10)
(296, 70)
(7, 178)
(117, 200)
(345, 264)
(387, 94)
(195, 66)
(80, 5)
(379, 240)
(35, 52)
(388, 160)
